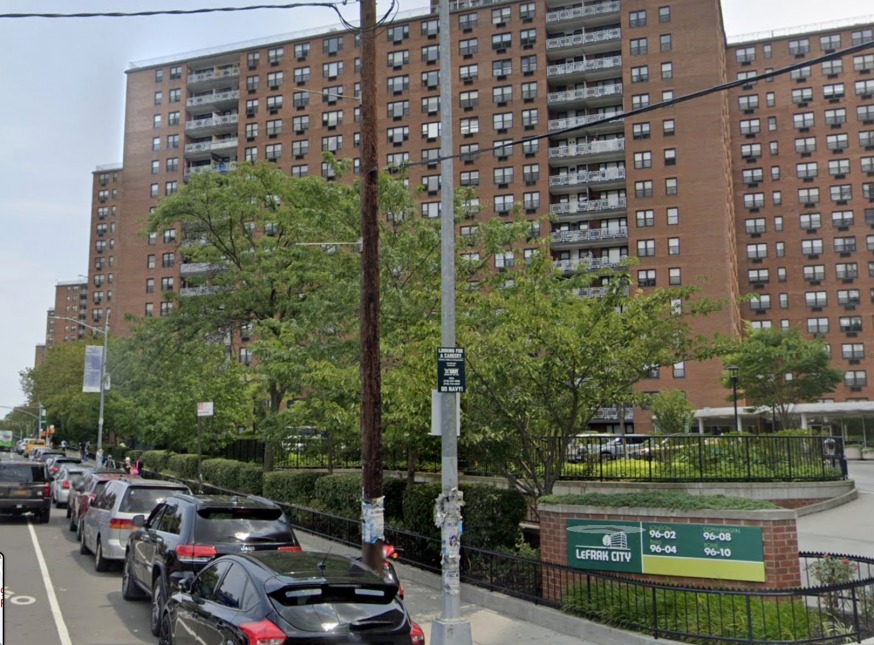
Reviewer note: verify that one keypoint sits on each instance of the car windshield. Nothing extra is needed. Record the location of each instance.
(22, 473)
(216, 525)
(339, 608)
(74, 476)
(142, 499)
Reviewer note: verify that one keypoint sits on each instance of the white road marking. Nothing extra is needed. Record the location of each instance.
(63, 633)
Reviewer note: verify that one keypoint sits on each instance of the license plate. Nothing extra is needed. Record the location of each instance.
(21, 493)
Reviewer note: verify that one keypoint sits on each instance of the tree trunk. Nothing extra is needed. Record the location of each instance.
(412, 464)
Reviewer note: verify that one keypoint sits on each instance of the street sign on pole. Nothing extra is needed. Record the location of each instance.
(205, 409)
(450, 370)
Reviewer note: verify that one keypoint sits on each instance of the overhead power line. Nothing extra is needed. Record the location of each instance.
(175, 12)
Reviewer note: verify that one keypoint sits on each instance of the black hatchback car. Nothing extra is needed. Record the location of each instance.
(185, 532)
(286, 598)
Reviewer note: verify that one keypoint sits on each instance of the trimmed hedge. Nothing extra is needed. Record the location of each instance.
(223, 473)
(340, 494)
(292, 486)
(184, 466)
(393, 489)
(491, 515)
(661, 499)
(250, 478)
(156, 460)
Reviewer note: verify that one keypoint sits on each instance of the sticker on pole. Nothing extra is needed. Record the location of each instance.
(450, 370)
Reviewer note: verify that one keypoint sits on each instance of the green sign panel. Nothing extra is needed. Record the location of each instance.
(667, 549)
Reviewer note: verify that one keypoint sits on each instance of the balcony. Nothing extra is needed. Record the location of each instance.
(606, 122)
(202, 290)
(586, 70)
(597, 292)
(586, 96)
(588, 264)
(214, 78)
(612, 414)
(189, 269)
(580, 209)
(212, 125)
(589, 237)
(222, 167)
(592, 15)
(215, 100)
(590, 42)
(205, 149)
(593, 151)
(603, 179)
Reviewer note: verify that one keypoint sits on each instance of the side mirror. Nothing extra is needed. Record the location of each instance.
(138, 521)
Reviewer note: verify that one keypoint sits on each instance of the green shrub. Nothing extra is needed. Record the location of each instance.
(223, 473)
(418, 505)
(292, 486)
(393, 489)
(250, 478)
(184, 466)
(340, 494)
(492, 516)
(156, 460)
(658, 499)
(133, 454)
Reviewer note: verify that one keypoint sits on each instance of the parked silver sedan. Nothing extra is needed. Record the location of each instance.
(65, 481)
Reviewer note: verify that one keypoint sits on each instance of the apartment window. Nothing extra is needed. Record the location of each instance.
(646, 248)
(643, 188)
(752, 176)
(159, 96)
(527, 11)
(273, 152)
(757, 251)
(832, 68)
(528, 65)
(850, 323)
(529, 91)
(251, 155)
(469, 152)
(274, 104)
(332, 144)
(639, 101)
(150, 285)
(830, 42)
(504, 260)
(468, 47)
(817, 326)
(396, 111)
(855, 378)
(849, 297)
(758, 276)
(667, 71)
(169, 235)
(745, 55)
(301, 170)
(530, 118)
(867, 164)
(530, 147)
(300, 148)
(468, 73)
(866, 139)
(170, 187)
(646, 278)
(802, 95)
(275, 80)
(156, 143)
(502, 16)
(862, 37)
(504, 204)
(863, 63)
(814, 273)
(156, 121)
(751, 150)
(799, 47)
(398, 84)
(642, 160)
(398, 135)
(638, 46)
(503, 176)
(805, 145)
(332, 70)
(300, 124)
(853, 351)
(673, 246)
(302, 51)
(640, 74)
(803, 120)
(398, 34)
(806, 170)
(760, 302)
(755, 226)
(645, 219)
(671, 186)
(836, 117)
(845, 244)
(665, 43)
(333, 45)
(750, 127)
(531, 173)
(668, 127)
(800, 74)
(502, 95)
(865, 113)
(842, 219)
(468, 21)
(637, 19)
(810, 221)
(251, 131)
(847, 271)
(431, 104)
(156, 167)
(153, 190)
(640, 130)
(811, 247)
(430, 54)
(502, 42)
(502, 121)
(864, 89)
(301, 75)
(815, 299)
(808, 195)
(502, 68)
(842, 193)
(833, 92)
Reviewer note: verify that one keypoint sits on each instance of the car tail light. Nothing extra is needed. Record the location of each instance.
(53, 470)
(116, 523)
(65, 484)
(264, 633)
(417, 635)
(195, 553)
(290, 549)
(47, 490)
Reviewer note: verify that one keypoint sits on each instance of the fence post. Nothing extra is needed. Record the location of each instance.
(655, 614)
(701, 457)
(749, 620)
(789, 452)
(856, 625)
(747, 457)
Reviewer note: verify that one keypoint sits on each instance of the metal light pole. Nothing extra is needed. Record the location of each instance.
(732, 371)
(105, 332)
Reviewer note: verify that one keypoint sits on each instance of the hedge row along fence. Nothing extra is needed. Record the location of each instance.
(492, 515)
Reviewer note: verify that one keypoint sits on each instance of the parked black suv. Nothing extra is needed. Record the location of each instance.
(185, 532)
(25, 488)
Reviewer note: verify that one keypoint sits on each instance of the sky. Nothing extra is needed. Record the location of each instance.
(64, 83)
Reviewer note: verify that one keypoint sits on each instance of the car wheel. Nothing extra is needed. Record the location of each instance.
(165, 637)
(80, 533)
(155, 617)
(45, 516)
(129, 588)
(100, 563)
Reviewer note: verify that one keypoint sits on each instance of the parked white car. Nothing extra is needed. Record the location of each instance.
(65, 480)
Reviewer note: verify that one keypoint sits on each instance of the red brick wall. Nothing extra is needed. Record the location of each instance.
(780, 541)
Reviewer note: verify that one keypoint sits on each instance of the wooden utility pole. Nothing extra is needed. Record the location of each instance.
(371, 392)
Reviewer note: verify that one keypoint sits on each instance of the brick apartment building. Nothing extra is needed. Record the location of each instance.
(766, 189)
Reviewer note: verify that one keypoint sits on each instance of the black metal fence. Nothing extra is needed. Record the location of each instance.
(834, 604)
(678, 458)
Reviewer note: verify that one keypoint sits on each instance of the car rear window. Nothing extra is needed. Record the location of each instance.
(142, 499)
(26, 474)
(354, 609)
(217, 525)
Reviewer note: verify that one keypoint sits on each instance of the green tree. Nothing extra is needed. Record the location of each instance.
(542, 360)
(778, 368)
(270, 276)
(672, 413)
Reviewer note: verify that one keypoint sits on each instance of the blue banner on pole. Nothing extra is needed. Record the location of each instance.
(93, 361)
